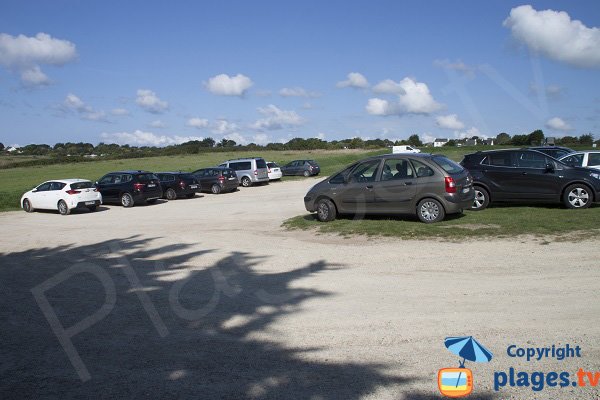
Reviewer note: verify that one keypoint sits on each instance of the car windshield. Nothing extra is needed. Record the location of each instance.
(82, 185)
(448, 165)
(272, 165)
(260, 163)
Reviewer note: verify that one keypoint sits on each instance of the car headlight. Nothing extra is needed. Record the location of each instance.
(595, 175)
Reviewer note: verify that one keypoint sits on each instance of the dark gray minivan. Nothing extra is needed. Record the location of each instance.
(429, 186)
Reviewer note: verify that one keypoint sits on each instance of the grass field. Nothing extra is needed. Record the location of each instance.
(16, 181)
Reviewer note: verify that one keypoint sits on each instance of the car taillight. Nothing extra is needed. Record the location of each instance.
(255, 172)
(221, 179)
(138, 186)
(73, 191)
(450, 184)
(269, 170)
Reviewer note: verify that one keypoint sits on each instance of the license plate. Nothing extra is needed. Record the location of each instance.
(90, 203)
(193, 186)
(231, 179)
(151, 185)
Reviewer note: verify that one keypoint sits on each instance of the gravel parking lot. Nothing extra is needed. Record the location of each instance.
(210, 298)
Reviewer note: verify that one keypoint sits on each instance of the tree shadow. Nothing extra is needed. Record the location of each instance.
(178, 328)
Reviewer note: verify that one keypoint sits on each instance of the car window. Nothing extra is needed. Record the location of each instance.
(502, 159)
(422, 169)
(395, 168)
(56, 186)
(365, 172)
(43, 187)
(82, 185)
(240, 166)
(531, 159)
(593, 159)
(576, 160)
(106, 179)
(448, 165)
(260, 163)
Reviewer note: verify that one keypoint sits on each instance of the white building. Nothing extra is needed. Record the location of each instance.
(440, 142)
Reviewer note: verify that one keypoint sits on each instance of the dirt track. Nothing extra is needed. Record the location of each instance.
(212, 299)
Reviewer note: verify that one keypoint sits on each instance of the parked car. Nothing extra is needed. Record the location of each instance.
(528, 175)
(588, 159)
(301, 167)
(178, 184)
(63, 195)
(430, 186)
(249, 170)
(274, 171)
(553, 151)
(217, 179)
(129, 188)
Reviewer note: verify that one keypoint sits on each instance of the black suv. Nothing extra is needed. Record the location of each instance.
(217, 179)
(526, 175)
(178, 184)
(129, 188)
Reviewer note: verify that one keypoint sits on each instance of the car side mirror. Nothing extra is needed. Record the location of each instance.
(549, 167)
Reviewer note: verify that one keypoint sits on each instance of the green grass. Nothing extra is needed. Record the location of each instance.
(16, 181)
(499, 222)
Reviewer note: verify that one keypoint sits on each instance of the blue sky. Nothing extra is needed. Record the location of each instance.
(158, 73)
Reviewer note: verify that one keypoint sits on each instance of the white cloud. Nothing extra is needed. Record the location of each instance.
(150, 102)
(157, 124)
(119, 111)
(198, 123)
(415, 99)
(321, 136)
(555, 35)
(297, 92)
(449, 122)
(224, 127)
(469, 133)
(276, 118)
(456, 66)
(140, 138)
(558, 124)
(225, 85)
(355, 80)
(261, 138)
(25, 55)
(237, 138)
(73, 104)
(389, 86)
(427, 137)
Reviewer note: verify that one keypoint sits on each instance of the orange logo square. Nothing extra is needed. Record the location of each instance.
(455, 382)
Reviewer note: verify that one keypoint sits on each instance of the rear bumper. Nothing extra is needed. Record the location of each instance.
(89, 203)
(457, 202)
(140, 197)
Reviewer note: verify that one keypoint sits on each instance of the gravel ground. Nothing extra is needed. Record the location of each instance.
(209, 298)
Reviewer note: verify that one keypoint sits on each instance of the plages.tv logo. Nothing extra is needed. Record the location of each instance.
(458, 382)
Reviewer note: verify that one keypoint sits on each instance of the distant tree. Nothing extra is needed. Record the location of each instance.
(1, 146)
(503, 138)
(586, 139)
(520, 140)
(414, 140)
(451, 143)
(569, 140)
(536, 137)
(475, 138)
(208, 142)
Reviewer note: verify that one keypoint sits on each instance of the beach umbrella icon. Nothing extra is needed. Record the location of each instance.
(469, 349)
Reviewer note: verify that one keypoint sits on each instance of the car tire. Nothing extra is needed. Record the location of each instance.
(482, 199)
(577, 196)
(326, 210)
(215, 189)
(430, 211)
(246, 182)
(127, 200)
(171, 194)
(306, 174)
(63, 209)
(27, 206)
(92, 208)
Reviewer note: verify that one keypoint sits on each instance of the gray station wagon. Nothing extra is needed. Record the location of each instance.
(426, 185)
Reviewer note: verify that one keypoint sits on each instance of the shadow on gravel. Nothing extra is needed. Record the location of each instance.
(156, 322)
(427, 396)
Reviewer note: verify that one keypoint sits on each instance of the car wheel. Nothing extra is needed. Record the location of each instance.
(326, 210)
(92, 208)
(126, 200)
(215, 189)
(430, 210)
(577, 196)
(482, 199)
(171, 194)
(27, 206)
(246, 181)
(63, 209)
(306, 174)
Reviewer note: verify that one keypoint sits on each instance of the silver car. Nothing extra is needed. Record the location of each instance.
(429, 186)
(249, 170)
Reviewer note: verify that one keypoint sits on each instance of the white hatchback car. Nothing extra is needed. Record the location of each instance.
(587, 158)
(63, 195)
(274, 171)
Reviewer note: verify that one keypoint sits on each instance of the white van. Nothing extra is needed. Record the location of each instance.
(404, 149)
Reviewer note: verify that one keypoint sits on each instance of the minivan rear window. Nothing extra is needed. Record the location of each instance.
(448, 165)
(240, 166)
(82, 185)
(260, 163)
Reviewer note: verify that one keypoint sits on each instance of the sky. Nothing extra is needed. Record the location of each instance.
(162, 73)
